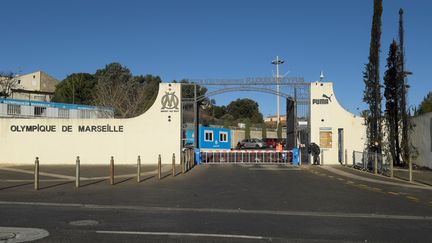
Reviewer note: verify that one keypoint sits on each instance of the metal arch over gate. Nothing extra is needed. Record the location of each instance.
(297, 97)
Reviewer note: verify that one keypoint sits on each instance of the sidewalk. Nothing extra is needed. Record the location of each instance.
(423, 176)
(369, 177)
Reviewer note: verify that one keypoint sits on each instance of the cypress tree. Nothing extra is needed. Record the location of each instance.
(403, 92)
(372, 93)
(391, 94)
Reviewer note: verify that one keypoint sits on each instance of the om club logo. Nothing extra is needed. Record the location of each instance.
(170, 101)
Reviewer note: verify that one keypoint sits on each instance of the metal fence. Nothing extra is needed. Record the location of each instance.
(246, 156)
(372, 162)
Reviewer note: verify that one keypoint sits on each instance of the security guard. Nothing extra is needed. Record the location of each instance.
(314, 149)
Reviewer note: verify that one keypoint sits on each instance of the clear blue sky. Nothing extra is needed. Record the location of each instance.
(215, 39)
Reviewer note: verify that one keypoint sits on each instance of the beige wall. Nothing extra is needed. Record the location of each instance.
(421, 139)
(147, 135)
(331, 117)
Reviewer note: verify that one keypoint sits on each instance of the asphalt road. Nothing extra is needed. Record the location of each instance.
(217, 203)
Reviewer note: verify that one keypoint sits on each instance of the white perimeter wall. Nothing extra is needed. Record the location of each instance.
(147, 135)
(331, 117)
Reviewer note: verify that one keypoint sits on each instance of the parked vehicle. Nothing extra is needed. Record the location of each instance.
(271, 142)
(252, 143)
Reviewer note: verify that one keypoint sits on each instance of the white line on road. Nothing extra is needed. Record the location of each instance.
(250, 237)
(226, 211)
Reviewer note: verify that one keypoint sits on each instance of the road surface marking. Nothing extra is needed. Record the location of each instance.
(376, 189)
(393, 193)
(223, 211)
(19, 234)
(412, 198)
(330, 176)
(250, 237)
(341, 179)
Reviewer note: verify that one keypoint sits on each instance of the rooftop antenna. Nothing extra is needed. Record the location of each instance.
(321, 76)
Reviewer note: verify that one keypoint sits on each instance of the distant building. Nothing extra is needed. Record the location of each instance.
(37, 86)
(14, 108)
(273, 119)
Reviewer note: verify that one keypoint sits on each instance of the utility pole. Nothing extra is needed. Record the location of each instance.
(277, 62)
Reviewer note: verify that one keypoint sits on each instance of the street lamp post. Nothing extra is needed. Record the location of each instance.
(277, 62)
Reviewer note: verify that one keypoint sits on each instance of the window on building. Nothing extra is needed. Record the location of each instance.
(39, 111)
(208, 136)
(325, 139)
(13, 109)
(63, 113)
(223, 137)
(85, 114)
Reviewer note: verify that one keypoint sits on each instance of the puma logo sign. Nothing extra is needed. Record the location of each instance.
(327, 97)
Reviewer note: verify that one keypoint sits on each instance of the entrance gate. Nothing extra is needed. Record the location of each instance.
(294, 90)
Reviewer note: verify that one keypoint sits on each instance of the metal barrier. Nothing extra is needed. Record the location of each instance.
(246, 156)
(187, 160)
(372, 162)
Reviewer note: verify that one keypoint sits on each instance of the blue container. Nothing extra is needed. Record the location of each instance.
(295, 156)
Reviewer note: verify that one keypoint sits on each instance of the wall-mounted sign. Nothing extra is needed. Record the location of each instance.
(323, 101)
(170, 102)
(67, 128)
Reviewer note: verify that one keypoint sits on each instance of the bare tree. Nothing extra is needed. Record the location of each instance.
(129, 96)
(7, 83)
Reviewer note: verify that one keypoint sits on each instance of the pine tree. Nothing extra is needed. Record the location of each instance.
(391, 93)
(403, 92)
(372, 93)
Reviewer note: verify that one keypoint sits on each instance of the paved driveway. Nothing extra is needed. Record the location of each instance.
(216, 203)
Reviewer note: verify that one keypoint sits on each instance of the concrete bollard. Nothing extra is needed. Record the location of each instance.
(159, 167)
(391, 169)
(36, 174)
(346, 157)
(322, 157)
(173, 165)
(139, 169)
(182, 162)
(186, 155)
(77, 172)
(376, 164)
(300, 157)
(410, 171)
(112, 170)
